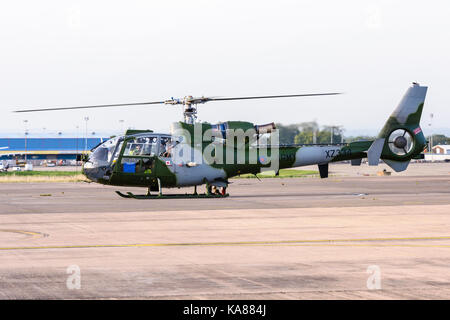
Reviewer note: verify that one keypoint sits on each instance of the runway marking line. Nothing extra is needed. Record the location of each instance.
(318, 242)
(28, 233)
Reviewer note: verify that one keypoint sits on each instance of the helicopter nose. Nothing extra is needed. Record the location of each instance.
(89, 171)
(93, 171)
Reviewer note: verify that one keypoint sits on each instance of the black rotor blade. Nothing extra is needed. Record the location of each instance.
(278, 96)
(88, 107)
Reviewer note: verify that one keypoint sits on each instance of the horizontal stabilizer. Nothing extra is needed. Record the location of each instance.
(374, 152)
(398, 166)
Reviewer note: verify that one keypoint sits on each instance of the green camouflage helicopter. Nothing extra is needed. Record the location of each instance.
(201, 153)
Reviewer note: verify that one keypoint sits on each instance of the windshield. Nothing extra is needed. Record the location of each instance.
(105, 151)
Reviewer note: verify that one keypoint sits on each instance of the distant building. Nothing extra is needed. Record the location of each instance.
(39, 149)
(441, 152)
(441, 149)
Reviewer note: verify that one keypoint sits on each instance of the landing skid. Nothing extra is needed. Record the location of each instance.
(209, 194)
(130, 195)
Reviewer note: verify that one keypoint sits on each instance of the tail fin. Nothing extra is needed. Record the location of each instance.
(403, 137)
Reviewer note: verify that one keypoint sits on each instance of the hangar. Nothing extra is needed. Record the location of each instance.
(36, 150)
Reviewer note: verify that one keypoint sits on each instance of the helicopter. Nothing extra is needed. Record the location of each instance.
(200, 153)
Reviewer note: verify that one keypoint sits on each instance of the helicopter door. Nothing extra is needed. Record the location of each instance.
(165, 156)
(136, 163)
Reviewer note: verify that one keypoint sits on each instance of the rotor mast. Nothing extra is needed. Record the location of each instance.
(190, 110)
(189, 107)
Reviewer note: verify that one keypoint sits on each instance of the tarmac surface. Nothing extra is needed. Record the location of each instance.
(346, 237)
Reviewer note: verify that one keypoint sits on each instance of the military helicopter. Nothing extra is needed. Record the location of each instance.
(198, 153)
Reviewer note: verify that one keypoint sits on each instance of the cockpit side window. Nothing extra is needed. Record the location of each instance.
(165, 147)
(142, 146)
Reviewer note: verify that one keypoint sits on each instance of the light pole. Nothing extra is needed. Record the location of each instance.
(86, 134)
(332, 130)
(332, 134)
(76, 157)
(26, 135)
(431, 136)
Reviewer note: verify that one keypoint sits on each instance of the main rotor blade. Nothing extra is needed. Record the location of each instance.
(179, 101)
(88, 107)
(279, 96)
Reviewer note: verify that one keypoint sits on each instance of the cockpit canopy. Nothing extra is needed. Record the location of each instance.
(143, 144)
(105, 151)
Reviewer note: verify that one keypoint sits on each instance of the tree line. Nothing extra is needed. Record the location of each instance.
(311, 133)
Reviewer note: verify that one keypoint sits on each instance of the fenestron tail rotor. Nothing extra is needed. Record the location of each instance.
(189, 103)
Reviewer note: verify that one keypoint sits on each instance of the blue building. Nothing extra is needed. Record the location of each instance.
(46, 148)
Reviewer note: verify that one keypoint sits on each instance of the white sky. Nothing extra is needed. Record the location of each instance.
(68, 53)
